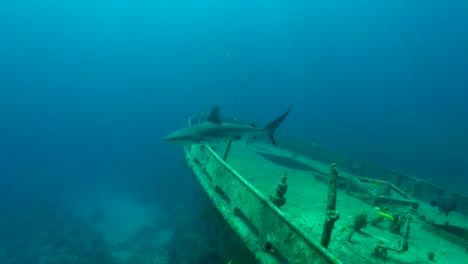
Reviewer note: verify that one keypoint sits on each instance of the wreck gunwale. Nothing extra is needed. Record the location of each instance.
(316, 252)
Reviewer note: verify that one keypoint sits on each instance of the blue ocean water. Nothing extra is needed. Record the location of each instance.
(89, 88)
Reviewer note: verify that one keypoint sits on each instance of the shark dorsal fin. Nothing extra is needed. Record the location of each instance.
(213, 117)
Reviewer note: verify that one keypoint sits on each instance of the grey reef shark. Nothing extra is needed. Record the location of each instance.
(213, 131)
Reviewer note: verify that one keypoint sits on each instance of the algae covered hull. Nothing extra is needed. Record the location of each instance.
(244, 186)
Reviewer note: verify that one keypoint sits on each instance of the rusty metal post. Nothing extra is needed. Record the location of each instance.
(331, 216)
(226, 151)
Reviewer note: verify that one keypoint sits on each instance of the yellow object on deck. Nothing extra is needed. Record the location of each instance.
(386, 215)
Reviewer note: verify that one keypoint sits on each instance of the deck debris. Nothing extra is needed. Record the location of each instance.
(381, 252)
(281, 189)
(360, 221)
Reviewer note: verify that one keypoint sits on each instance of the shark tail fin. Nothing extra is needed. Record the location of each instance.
(271, 128)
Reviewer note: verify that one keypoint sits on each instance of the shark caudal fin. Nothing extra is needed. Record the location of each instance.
(270, 128)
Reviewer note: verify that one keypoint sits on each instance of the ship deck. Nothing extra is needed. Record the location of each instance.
(263, 165)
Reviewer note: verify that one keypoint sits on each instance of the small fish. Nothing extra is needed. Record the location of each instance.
(446, 202)
(230, 262)
(386, 215)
